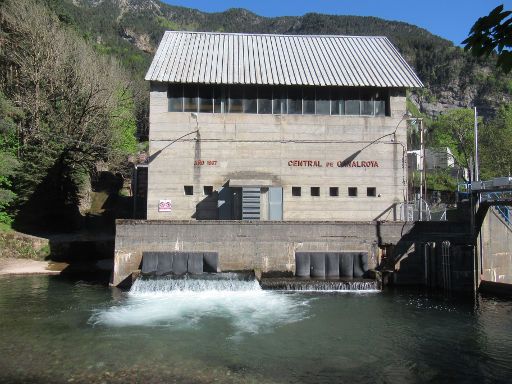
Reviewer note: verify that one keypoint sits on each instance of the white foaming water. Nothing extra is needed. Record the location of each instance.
(185, 302)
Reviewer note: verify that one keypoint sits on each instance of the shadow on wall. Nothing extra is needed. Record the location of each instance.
(206, 209)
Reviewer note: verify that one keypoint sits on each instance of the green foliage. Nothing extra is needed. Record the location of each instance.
(19, 246)
(167, 24)
(413, 109)
(492, 33)
(8, 149)
(441, 180)
(495, 138)
(124, 125)
(77, 111)
(455, 130)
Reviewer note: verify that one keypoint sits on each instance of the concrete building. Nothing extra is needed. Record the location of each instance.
(277, 127)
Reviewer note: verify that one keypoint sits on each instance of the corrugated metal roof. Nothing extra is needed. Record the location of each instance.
(237, 58)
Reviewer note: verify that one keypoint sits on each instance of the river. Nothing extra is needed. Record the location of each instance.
(54, 330)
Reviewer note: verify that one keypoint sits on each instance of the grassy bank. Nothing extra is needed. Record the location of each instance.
(20, 246)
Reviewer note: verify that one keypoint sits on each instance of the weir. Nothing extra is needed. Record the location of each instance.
(293, 284)
(195, 283)
(237, 282)
(173, 271)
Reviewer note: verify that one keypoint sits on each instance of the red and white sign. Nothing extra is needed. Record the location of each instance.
(164, 206)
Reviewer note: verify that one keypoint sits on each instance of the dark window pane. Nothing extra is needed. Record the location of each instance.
(250, 100)
(296, 191)
(309, 101)
(367, 96)
(380, 108)
(337, 102)
(235, 100)
(323, 101)
(380, 102)
(352, 103)
(352, 107)
(367, 107)
(205, 99)
(175, 98)
(371, 191)
(208, 190)
(352, 191)
(294, 101)
(264, 100)
(219, 99)
(279, 102)
(333, 191)
(315, 191)
(190, 98)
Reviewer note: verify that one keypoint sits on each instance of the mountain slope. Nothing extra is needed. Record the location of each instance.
(131, 30)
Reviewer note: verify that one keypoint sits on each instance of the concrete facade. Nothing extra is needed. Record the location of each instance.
(254, 150)
(268, 246)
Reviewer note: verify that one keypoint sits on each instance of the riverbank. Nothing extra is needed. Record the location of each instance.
(12, 266)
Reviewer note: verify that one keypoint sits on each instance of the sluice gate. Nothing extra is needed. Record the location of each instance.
(178, 263)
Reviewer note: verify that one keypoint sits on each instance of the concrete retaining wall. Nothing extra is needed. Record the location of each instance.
(497, 249)
(269, 246)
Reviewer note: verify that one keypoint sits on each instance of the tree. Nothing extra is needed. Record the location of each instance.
(495, 138)
(8, 161)
(455, 130)
(492, 33)
(77, 105)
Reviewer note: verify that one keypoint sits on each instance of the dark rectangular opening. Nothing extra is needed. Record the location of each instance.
(205, 99)
(295, 101)
(189, 190)
(264, 100)
(236, 98)
(323, 102)
(208, 190)
(296, 191)
(371, 191)
(190, 98)
(333, 191)
(308, 96)
(175, 98)
(250, 103)
(352, 191)
(315, 191)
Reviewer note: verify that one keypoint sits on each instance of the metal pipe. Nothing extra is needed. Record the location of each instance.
(476, 176)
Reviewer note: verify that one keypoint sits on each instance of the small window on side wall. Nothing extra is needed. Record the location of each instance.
(333, 191)
(352, 191)
(315, 191)
(207, 190)
(189, 190)
(371, 192)
(296, 191)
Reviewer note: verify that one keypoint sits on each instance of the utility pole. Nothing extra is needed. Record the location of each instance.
(422, 162)
(476, 176)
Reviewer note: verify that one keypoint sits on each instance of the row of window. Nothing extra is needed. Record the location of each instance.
(334, 191)
(278, 100)
(296, 191)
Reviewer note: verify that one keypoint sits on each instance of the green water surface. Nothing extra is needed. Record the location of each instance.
(54, 330)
